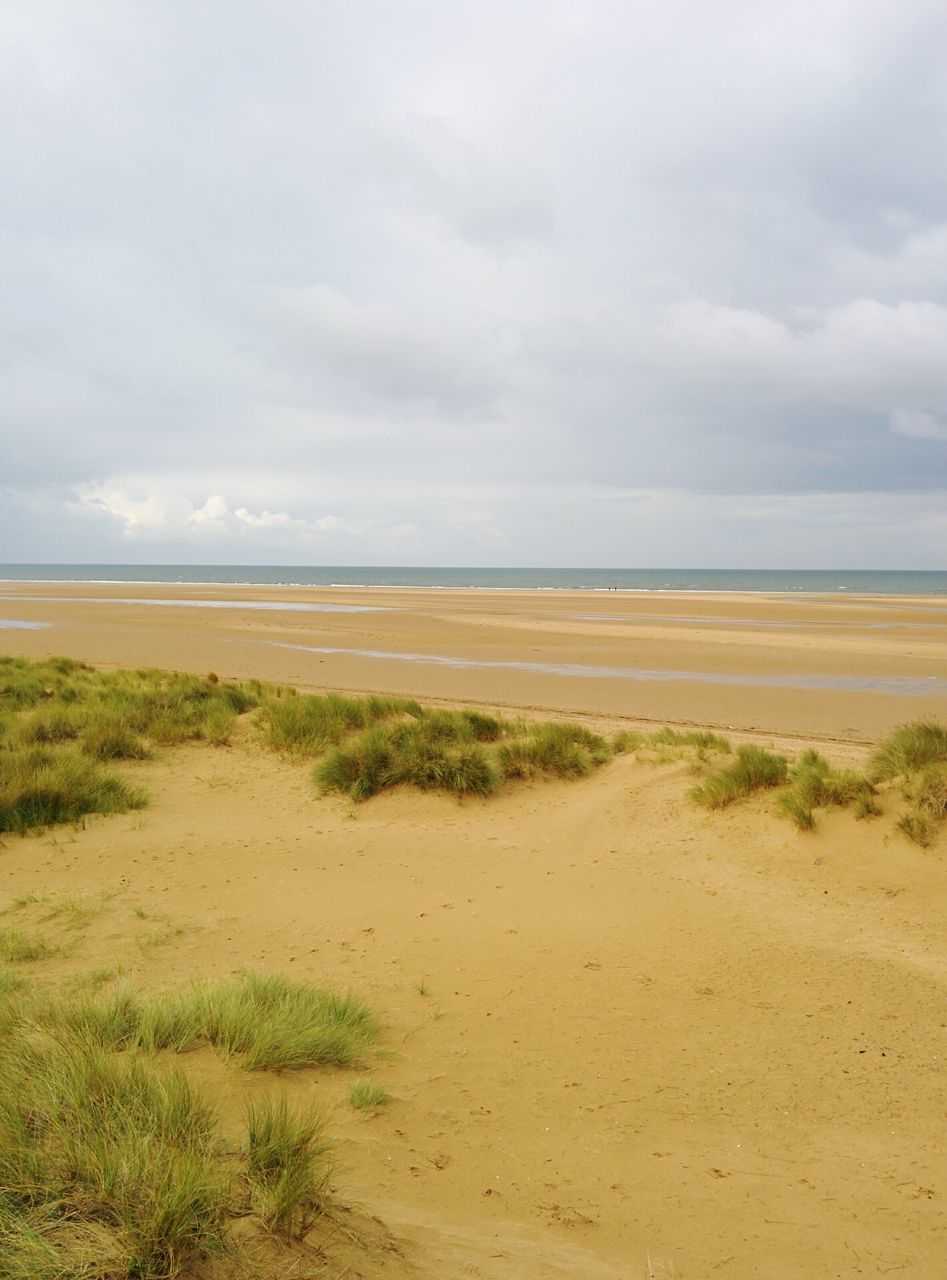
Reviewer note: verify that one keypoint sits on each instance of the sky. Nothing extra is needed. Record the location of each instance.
(520, 282)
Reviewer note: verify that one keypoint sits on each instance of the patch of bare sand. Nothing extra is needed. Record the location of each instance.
(621, 1034)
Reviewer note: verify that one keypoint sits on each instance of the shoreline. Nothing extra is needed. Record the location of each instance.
(801, 593)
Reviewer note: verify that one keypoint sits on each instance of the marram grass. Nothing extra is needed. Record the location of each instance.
(264, 1021)
(62, 722)
(913, 757)
(463, 753)
(42, 785)
(112, 1163)
(754, 769)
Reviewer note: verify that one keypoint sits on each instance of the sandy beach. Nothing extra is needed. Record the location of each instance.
(850, 668)
(624, 1037)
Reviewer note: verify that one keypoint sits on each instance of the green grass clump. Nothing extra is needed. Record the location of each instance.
(60, 719)
(289, 1166)
(702, 740)
(753, 770)
(41, 786)
(16, 946)
(364, 1095)
(308, 725)
(274, 1024)
(928, 793)
(105, 1157)
(267, 1021)
(112, 1165)
(815, 784)
(461, 752)
(910, 748)
(560, 750)
(108, 737)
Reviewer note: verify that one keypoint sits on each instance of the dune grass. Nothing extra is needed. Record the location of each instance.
(266, 1022)
(289, 1166)
(815, 784)
(41, 786)
(913, 756)
(927, 793)
(702, 740)
(112, 1164)
(365, 1095)
(909, 749)
(754, 769)
(62, 720)
(17, 946)
(464, 753)
(306, 726)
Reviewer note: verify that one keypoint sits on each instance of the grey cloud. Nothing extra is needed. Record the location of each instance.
(418, 271)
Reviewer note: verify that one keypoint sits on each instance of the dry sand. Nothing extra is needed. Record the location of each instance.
(627, 1038)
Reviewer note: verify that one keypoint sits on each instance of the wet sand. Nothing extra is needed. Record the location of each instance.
(847, 668)
(625, 1038)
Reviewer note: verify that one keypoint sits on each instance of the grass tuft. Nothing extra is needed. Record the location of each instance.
(928, 793)
(289, 1166)
(16, 946)
(41, 786)
(366, 1096)
(306, 726)
(815, 784)
(753, 770)
(910, 748)
(269, 1022)
(112, 1165)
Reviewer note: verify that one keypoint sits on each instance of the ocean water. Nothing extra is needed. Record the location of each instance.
(795, 581)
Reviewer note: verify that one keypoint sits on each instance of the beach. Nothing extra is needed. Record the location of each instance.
(850, 668)
(624, 1036)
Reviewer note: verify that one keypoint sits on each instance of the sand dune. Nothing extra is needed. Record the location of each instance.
(624, 1034)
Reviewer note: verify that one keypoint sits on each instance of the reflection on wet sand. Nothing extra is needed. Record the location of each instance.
(906, 686)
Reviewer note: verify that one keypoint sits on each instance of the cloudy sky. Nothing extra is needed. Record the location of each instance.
(507, 282)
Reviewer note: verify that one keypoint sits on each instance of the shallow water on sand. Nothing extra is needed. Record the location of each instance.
(288, 606)
(905, 686)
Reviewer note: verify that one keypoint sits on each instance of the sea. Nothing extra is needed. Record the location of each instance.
(888, 582)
